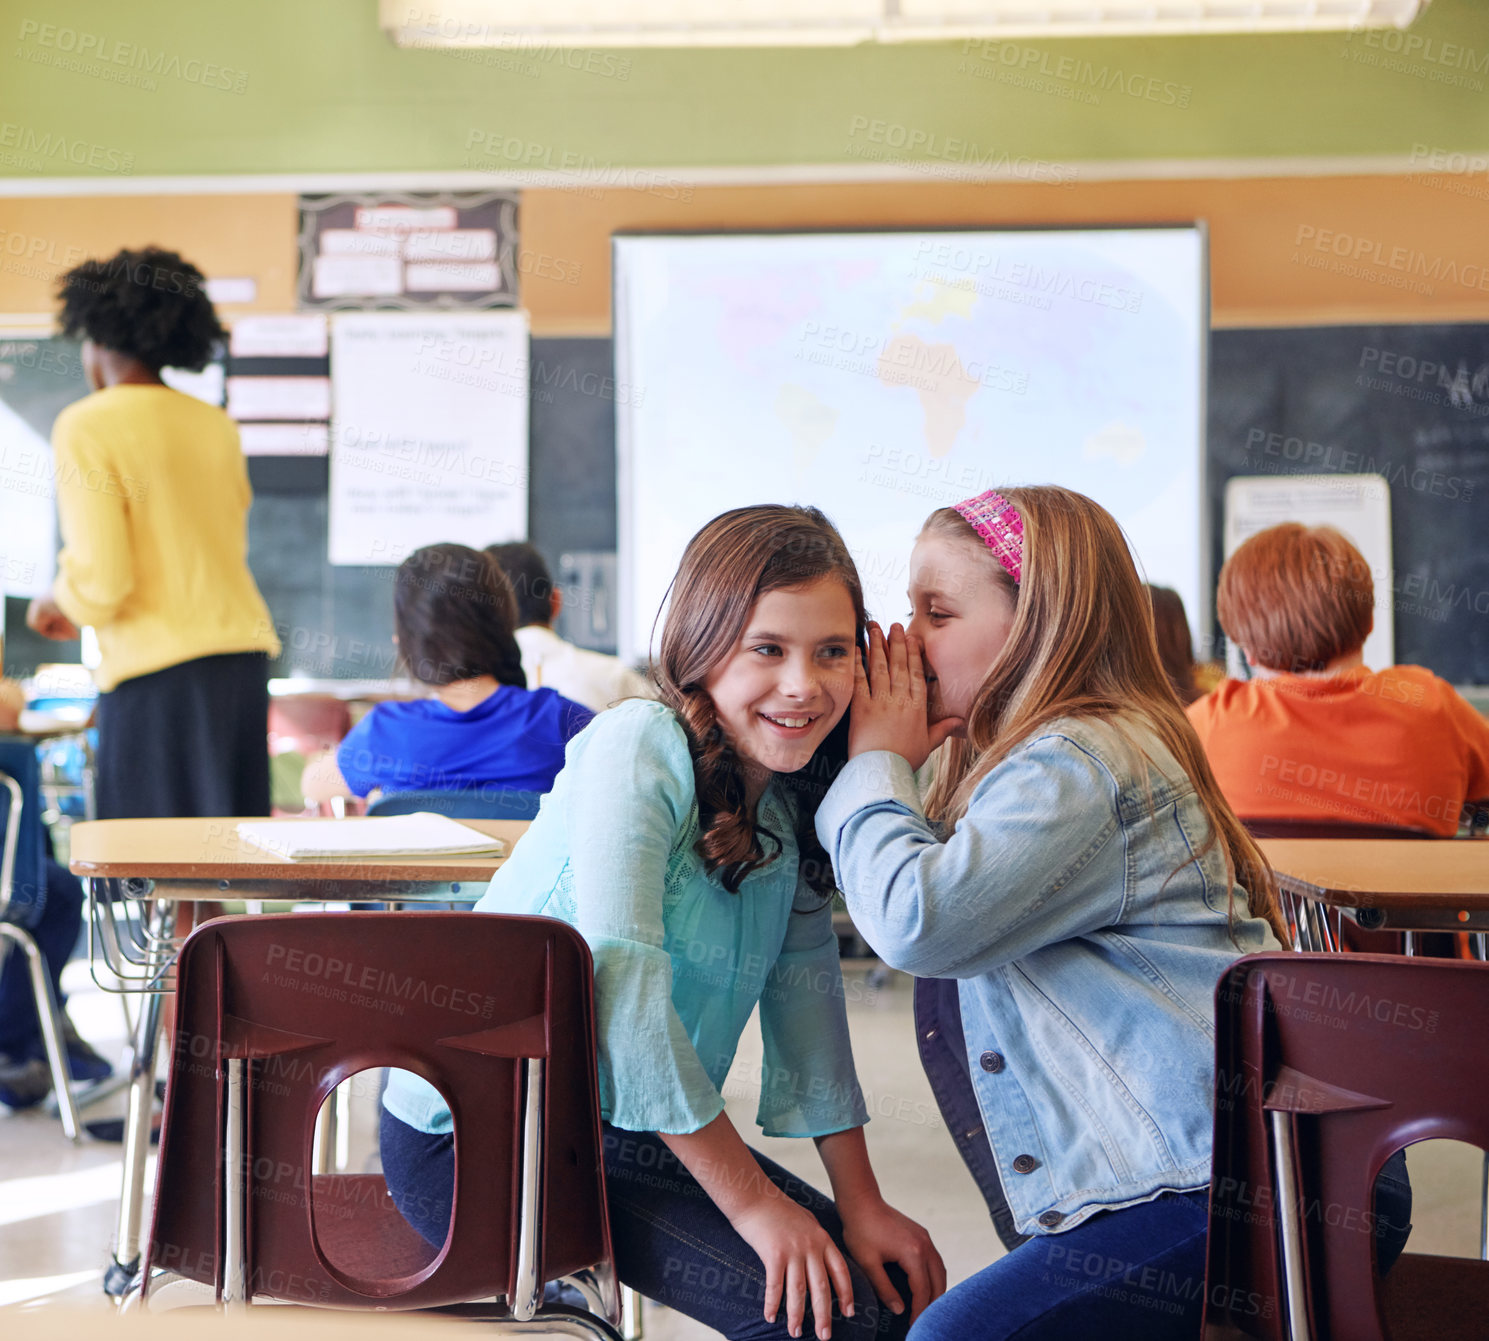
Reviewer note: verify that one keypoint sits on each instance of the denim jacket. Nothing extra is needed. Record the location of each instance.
(1075, 1061)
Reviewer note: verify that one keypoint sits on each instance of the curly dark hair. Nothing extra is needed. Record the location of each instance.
(733, 561)
(150, 304)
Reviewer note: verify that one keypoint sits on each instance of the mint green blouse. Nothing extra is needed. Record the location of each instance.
(680, 962)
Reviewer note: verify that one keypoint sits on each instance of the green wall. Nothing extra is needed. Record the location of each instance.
(314, 86)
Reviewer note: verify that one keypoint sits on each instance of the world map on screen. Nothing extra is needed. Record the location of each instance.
(880, 376)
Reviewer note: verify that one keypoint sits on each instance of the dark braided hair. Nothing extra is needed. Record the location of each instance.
(149, 304)
(733, 561)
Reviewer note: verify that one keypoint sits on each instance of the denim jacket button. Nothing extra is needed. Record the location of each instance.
(991, 1061)
(1050, 1219)
(1025, 1164)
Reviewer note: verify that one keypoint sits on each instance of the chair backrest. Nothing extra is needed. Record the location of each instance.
(1317, 828)
(25, 899)
(307, 722)
(1325, 1066)
(467, 803)
(465, 1000)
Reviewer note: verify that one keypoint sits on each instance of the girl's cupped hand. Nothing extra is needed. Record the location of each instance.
(889, 700)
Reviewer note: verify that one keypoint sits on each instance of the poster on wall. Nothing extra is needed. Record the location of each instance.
(428, 432)
(408, 250)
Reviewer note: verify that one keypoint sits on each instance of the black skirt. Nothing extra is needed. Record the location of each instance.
(192, 739)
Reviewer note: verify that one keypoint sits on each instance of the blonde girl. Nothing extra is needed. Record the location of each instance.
(1069, 891)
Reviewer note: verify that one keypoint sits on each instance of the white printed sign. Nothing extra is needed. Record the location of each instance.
(428, 433)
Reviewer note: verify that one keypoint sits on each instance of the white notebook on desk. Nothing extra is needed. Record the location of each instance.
(420, 835)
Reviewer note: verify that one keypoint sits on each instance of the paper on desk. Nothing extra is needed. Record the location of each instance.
(420, 835)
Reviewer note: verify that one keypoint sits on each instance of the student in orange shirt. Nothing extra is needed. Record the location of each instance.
(1316, 734)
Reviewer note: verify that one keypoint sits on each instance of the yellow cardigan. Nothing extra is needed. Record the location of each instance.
(153, 495)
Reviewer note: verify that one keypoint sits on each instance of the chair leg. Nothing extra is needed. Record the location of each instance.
(1290, 1227)
(139, 1105)
(1484, 1212)
(50, 1019)
(167, 1291)
(527, 1288)
(630, 1314)
(549, 1322)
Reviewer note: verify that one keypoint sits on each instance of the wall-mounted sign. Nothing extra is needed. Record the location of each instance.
(411, 250)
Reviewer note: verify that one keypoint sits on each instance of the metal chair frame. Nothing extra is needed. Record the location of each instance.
(41, 985)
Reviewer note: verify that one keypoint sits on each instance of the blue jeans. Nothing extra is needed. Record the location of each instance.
(1136, 1274)
(55, 937)
(672, 1244)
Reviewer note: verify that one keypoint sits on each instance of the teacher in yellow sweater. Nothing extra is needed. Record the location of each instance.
(152, 498)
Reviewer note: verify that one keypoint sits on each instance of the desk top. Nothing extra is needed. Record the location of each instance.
(1401, 873)
(210, 849)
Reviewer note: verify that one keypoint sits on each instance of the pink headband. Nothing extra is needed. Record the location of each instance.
(997, 521)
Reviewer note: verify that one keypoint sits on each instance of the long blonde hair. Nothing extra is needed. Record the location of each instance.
(1082, 645)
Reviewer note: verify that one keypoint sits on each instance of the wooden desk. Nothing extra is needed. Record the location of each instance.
(1395, 883)
(192, 859)
(163, 862)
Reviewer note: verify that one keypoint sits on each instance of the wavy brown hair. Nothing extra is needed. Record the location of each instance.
(733, 561)
(1082, 645)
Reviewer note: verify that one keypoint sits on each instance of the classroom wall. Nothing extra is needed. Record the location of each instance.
(1414, 246)
(225, 235)
(1342, 177)
(278, 86)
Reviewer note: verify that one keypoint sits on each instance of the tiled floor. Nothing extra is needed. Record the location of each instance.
(57, 1201)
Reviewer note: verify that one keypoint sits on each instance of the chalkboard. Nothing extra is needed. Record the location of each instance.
(338, 621)
(1407, 402)
(1410, 402)
(572, 422)
(38, 377)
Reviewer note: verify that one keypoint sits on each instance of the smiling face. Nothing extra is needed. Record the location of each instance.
(962, 611)
(789, 679)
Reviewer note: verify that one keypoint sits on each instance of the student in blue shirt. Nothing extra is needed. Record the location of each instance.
(1069, 894)
(679, 841)
(455, 613)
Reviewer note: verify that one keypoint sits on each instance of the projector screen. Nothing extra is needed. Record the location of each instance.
(882, 375)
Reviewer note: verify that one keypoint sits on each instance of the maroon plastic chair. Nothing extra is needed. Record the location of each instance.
(1316, 828)
(1325, 1066)
(307, 723)
(273, 1012)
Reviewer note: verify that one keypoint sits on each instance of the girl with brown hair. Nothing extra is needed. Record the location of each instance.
(1070, 891)
(481, 731)
(679, 841)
